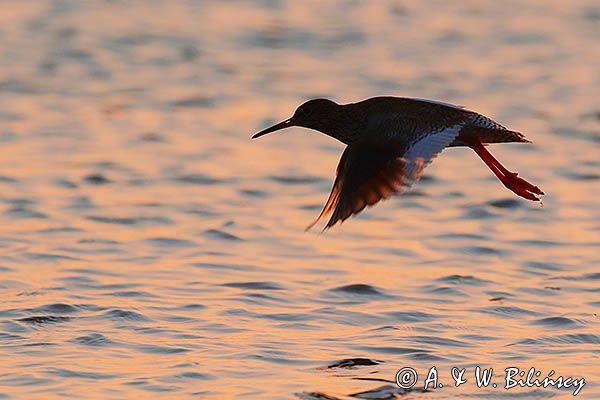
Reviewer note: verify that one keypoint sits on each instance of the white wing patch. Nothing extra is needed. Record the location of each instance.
(424, 150)
(441, 103)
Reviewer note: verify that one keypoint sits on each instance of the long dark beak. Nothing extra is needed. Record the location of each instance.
(284, 124)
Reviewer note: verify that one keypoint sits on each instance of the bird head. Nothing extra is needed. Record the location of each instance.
(314, 114)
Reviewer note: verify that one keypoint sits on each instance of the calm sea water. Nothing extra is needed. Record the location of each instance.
(150, 249)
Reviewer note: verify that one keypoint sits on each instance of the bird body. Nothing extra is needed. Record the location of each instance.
(389, 142)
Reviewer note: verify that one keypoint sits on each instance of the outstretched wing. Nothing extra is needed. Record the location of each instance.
(370, 171)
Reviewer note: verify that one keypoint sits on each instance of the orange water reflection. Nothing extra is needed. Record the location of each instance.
(151, 249)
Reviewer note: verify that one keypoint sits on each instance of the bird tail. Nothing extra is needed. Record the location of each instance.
(472, 133)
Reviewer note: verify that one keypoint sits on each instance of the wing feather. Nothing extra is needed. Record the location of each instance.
(423, 151)
(369, 172)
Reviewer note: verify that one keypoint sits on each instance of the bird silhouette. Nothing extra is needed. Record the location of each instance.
(390, 140)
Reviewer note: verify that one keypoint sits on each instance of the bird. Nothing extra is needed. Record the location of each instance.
(390, 140)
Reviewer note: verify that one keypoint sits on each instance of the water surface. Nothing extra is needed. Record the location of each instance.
(150, 249)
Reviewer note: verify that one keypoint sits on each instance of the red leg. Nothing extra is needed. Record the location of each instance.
(510, 179)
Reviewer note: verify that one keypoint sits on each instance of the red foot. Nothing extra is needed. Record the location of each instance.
(524, 184)
(510, 179)
(521, 187)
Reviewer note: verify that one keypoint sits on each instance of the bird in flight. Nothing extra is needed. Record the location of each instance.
(390, 140)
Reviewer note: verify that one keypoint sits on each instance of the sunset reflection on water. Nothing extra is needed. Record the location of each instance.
(151, 249)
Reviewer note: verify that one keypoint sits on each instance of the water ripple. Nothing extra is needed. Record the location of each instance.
(567, 339)
(556, 322)
(411, 316)
(170, 242)
(118, 314)
(222, 235)
(253, 285)
(44, 319)
(93, 340)
(66, 373)
(353, 362)
(131, 220)
(56, 308)
(360, 289)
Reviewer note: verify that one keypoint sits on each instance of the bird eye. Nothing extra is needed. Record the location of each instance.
(306, 111)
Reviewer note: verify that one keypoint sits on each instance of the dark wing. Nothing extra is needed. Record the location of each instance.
(370, 171)
(366, 174)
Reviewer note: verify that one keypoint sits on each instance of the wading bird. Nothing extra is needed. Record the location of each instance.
(390, 140)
